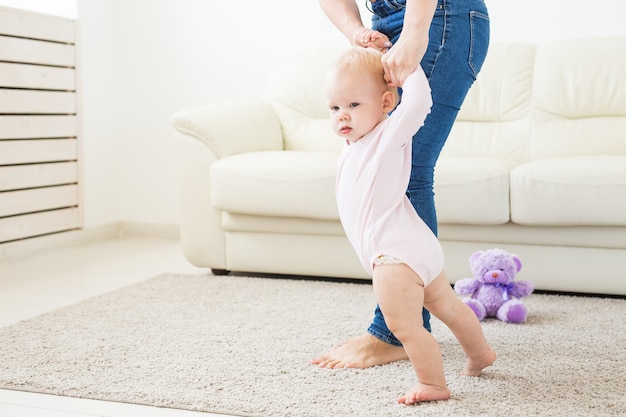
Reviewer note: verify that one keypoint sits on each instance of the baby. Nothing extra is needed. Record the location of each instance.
(394, 245)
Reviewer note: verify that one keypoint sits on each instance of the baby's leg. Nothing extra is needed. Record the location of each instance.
(400, 294)
(441, 300)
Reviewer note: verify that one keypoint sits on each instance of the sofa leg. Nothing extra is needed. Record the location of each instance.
(220, 271)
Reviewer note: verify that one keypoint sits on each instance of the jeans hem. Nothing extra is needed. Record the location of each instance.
(387, 338)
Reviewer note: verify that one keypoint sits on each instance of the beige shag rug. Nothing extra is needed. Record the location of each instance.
(242, 345)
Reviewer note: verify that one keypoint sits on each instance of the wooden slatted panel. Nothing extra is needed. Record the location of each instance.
(16, 177)
(36, 52)
(39, 180)
(37, 76)
(22, 127)
(37, 199)
(36, 151)
(28, 24)
(38, 224)
(35, 101)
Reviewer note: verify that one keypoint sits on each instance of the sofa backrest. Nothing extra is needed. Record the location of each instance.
(295, 88)
(529, 101)
(579, 95)
(495, 118)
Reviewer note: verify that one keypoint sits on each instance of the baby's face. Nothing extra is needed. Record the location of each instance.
(356, 104)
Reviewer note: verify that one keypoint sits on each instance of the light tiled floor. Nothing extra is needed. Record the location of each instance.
(32, 285)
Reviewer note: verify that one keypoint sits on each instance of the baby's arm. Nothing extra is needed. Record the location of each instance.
(414, 106)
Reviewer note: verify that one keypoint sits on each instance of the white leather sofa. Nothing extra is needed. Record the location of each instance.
(535, 164)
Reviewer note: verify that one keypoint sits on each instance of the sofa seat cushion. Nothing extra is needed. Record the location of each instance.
(246, 223)
(277, 183)
(473, 190)
(583, 190)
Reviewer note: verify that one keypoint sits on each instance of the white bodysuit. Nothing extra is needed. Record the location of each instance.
(372, 179)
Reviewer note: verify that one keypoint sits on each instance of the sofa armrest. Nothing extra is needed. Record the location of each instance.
(204, 135)
(232, 127)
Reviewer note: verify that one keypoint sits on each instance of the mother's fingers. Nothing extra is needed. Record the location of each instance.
(395, 77)
(376, 45)
(391, 74)
(369, 38)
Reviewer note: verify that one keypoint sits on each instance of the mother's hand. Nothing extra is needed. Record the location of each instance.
(401, 60)
(369, 38)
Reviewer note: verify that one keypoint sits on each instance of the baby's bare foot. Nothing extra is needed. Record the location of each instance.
(475, 366)
(362, 352)
(422, 392)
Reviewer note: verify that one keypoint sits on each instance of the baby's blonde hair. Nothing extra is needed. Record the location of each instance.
(359, 59)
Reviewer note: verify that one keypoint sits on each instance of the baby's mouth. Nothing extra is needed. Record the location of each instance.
(345, 130)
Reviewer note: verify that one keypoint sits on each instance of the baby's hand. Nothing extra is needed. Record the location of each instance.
(369, 38)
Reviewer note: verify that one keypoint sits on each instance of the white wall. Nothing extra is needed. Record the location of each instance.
(64, 8)
(142, 60)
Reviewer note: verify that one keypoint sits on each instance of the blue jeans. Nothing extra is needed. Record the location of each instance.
(458, 43)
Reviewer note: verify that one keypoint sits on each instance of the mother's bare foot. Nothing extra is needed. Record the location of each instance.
(362, 351)
(474, 367)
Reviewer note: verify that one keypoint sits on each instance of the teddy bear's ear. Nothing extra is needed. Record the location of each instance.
(518, 262)
(475, 256)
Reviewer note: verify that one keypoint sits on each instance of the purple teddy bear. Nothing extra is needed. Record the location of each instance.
(492, 292)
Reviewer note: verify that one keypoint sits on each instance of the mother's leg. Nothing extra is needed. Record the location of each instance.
(458, 43)
(463, 28)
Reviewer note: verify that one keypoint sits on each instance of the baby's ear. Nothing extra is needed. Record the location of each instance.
(389, 101)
